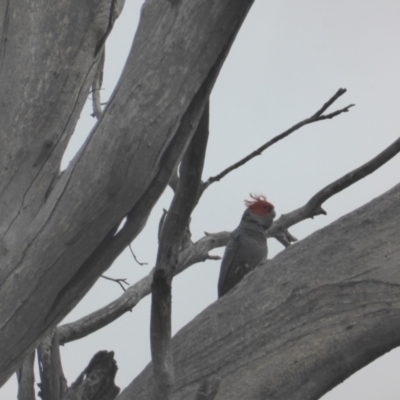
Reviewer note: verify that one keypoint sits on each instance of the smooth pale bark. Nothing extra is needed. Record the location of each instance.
(299, 325)
(47, 62)
(122, 169)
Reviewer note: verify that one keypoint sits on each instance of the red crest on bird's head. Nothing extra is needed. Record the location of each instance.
(259, 205)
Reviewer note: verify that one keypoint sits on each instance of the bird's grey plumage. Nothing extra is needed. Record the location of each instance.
(246, 249)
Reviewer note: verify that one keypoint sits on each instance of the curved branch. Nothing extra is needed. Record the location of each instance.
(314, 118)
(355, 175)
(314, 206)
(198, 252)
(121, 281)
(135, 258)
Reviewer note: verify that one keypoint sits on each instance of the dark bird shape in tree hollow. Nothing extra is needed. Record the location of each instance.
(247, 245)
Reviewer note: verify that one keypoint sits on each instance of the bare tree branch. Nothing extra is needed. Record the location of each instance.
(133, 254)
(105, 315)
(198, 252)
(26, 379)
(121, 281)
(172, 233)
(339, 93)
(53, 383)
(314, 118)
(313, 207)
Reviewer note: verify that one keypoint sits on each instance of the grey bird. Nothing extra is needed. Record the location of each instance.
(247, 245)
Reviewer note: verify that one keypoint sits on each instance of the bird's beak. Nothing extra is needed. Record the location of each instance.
(273, 214)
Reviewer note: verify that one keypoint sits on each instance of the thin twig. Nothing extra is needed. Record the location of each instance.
(133, 254)
(215, 258)
(120, 281)
(339, 93)
(314, 118)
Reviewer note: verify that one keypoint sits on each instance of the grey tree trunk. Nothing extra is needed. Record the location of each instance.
(58, 230)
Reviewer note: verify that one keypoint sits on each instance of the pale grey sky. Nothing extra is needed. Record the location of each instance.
(289, 58)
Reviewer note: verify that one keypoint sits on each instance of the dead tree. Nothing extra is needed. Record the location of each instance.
(305, 314)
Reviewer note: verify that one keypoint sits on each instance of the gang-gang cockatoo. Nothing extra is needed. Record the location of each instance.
(247, 245)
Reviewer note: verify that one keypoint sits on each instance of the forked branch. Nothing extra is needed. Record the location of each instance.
(318, 116)
(198, 252)
(313, 207)
(121, 281)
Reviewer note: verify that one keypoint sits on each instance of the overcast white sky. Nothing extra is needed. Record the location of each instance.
(289, 58)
